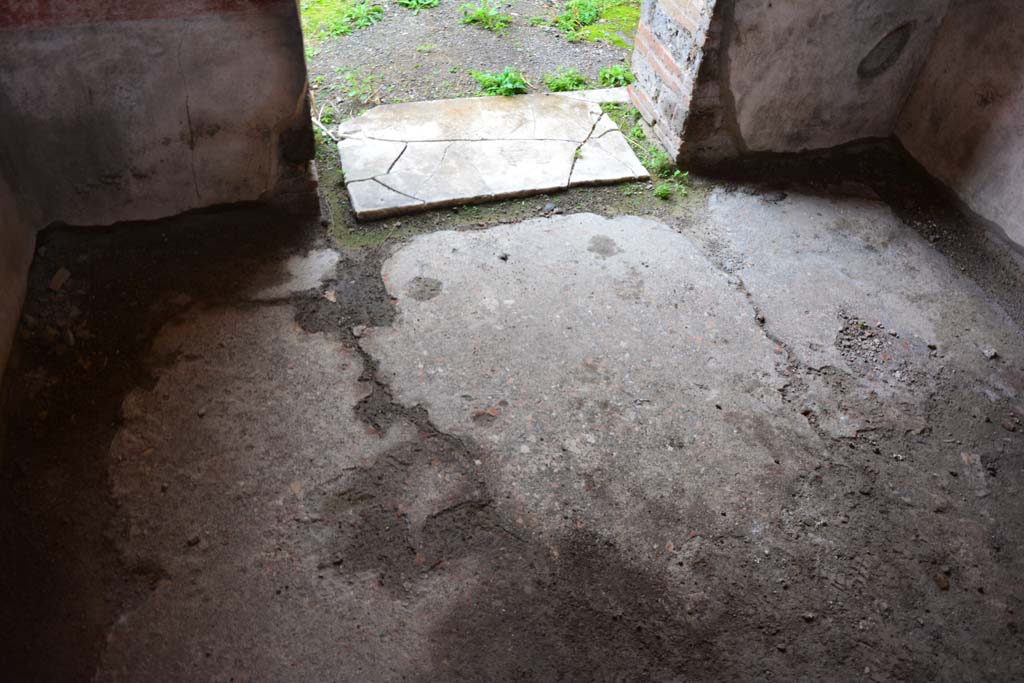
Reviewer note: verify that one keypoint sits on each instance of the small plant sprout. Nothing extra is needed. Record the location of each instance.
(485, 14)
(660, 163)
(325, 18)
(365, 15)
(608, 21)
(615, 76)
(417, 5)
(673, 185)
(359, 87)
(657, 161)
(575, 15)
(332, 18)
(508, 82)
(566, 80)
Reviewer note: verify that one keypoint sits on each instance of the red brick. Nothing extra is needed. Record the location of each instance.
(643, 104)
(654, 48)
(683, 12)
(670, 73)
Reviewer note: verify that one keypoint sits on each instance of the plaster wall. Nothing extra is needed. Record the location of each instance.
(117, 111)
(793, 69)
(17, 242)
(785, 75)
(964, 121)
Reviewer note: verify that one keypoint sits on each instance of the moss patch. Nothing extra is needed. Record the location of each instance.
(323, 19)
(616, 26)
(326, 18)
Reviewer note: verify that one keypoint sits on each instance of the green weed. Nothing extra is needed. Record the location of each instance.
(326, 18)
(332, 18)
(359, 87)
(426, 48)
(617, 25)
(615, 76)
(417, 5)
(608, 21)
(654, 159)
(659, 163)
(508, 82)
(566, 80)
(327, 116)
(485, 14)
(677, 183)
(365, 15)
(575, 15)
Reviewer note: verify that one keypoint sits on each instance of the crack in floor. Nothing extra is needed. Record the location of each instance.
(440, 163)
(514, 165)
(577, 153)
(385, 185)
(395, 162)
(412, 142)
(796, 391)
(379, 410)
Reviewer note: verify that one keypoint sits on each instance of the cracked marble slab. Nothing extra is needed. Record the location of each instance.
(598, 95)
(400, 158)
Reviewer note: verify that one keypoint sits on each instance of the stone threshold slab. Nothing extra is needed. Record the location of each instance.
(400, 158)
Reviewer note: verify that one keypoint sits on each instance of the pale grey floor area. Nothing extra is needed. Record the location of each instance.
(781, 442)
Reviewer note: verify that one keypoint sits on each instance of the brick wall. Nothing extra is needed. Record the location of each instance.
(666, 60)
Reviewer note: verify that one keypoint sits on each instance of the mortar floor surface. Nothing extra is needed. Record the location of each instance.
(782, 441)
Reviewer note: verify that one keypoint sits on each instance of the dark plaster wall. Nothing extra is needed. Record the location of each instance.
(964, 121)
(117, 111)
(786, 75)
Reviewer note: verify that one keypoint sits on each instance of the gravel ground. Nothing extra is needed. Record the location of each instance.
(429, 55)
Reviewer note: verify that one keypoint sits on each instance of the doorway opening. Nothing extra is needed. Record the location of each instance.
(453, 149)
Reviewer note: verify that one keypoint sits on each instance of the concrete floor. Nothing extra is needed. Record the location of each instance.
(778, 439)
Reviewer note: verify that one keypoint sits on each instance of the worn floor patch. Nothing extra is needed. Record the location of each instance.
(302, 273)
(857, 298)
(779, 441)
(701, 407)
(596, 352)
(222, 471)
(405, 157)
